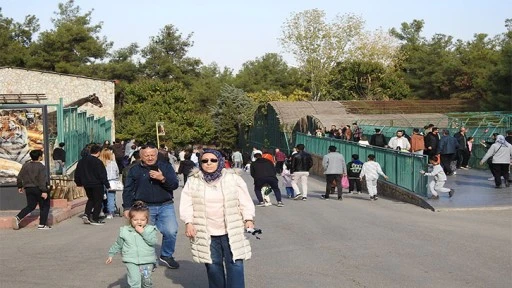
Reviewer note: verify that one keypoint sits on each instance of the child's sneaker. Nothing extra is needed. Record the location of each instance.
(44, 227)
(297, 197)
(375, 197)
(110, 216)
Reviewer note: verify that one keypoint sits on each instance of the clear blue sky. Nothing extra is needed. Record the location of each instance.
(231, 32)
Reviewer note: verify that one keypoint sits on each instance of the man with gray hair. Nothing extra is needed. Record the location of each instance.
(334, 167)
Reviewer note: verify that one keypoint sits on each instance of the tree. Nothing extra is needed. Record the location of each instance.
(73, 44)
(233, 110)
(206, 86)
(153, 100)
(15, 39)
(165, 56)
(318, 45)
(499, 80)
(269, 72)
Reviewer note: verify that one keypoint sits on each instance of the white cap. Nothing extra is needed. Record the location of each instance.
(257, 152)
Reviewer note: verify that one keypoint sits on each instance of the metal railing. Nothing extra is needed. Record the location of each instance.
(402, 168)
(80, 129)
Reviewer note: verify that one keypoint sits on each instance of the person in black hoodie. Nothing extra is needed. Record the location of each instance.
(185, 167)
(264, 173)
(353, 172)
(33, 181)
(92, 175)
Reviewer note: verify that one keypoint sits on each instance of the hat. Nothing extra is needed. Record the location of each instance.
(377, 130)
(257, 152)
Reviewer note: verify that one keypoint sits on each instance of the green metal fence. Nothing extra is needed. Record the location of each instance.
(80, 129)
(402, 168)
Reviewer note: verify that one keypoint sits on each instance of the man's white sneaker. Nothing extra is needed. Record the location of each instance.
(298, 196)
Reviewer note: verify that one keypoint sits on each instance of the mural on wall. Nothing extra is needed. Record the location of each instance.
(21, 131)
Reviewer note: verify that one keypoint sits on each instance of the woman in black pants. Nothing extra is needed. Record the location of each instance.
(32, 180)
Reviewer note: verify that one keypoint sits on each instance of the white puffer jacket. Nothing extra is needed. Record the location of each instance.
(193, 209)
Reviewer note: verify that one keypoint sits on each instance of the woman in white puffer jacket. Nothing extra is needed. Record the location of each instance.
(216, 207)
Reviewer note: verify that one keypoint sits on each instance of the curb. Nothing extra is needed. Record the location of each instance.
(61, 210)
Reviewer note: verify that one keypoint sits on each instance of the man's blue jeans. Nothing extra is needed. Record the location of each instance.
(221, 252)
(164, 218)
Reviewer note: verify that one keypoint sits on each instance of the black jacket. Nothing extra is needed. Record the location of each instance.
(301, 162)
(91, 172)
(378, 140)
(185, 167)
(431, 140)
(59, 154)
(139, 186)
(262, 168)
(462, 139)
(32, 174)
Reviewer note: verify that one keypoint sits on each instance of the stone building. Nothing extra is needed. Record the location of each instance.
(96, 96)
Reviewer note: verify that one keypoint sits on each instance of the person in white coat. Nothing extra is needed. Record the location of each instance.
(371, 171)
(216, 207)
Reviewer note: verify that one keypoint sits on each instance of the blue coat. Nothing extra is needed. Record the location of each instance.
(447, 145)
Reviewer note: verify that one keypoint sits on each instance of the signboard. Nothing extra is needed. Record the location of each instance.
(160, 130)
(22, 130)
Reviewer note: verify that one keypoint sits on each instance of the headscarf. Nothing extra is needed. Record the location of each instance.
(501, 139)
(213, 176)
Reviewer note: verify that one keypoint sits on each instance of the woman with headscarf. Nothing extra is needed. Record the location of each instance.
(216, 207)
(501, 154)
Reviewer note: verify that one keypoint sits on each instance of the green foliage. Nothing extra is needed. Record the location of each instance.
(165, 56)
(15, 40)
(73, 44)
(233, 110)
(270, 73)
(152, 100)
(318, 45)
(366, 80)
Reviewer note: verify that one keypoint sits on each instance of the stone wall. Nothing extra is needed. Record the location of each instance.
(56, 86)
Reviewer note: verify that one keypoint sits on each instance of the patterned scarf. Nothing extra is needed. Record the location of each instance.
(212, 177)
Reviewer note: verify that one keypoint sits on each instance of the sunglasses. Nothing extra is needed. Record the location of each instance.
(151, 146)
(204, 161)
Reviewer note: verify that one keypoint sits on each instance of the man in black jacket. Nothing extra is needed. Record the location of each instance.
(92, 175)
(301, 163)
(462, 152)
(431, 142)
(264, 173)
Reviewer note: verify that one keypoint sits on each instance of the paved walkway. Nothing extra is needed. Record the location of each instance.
(315, 243)
(473, 190)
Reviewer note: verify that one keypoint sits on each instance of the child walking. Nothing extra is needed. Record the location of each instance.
(353, 172)
(287, 179)
(136, 242)
(437, 179)
(371, 171)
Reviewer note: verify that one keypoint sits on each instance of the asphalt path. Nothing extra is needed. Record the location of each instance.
(314, 243)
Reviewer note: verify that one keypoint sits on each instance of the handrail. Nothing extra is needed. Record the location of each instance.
(402, 168)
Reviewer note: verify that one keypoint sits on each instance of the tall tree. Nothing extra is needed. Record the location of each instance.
(72, 44)
(15, 39)
(269, 72)
(318, 45)
(233, 110)
(499, 97)
(153, 100)
(165, 57)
